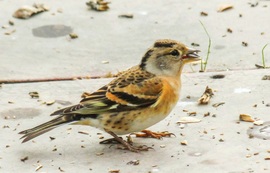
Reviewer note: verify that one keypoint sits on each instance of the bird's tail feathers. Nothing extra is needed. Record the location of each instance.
(43, 128)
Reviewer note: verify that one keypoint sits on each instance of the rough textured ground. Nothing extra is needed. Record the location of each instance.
(219, 143)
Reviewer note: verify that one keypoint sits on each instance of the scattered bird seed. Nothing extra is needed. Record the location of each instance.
(114, 171)
(60, 169)
(195, 44)
(229, 30)
(218, 104)
(34, 94)
(245, 44)
(99, 154)
(185, 120)
(204, 13)
(73, 35)
(224, 7)
(126, 16)
(38, 167)
(84, 133)
(134, 162)
(10, 32)
(266, 77)
(24, 159)
(50, 102)
(184, 142)
(267, 158)
(10, 22)
(258, 122)
(218, 76)
(246, 118)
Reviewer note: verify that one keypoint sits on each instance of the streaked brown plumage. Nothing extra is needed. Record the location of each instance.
(137, 99)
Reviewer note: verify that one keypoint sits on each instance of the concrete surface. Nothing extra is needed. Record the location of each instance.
(219, 143)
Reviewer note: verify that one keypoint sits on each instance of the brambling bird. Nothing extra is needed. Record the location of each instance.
(137, 99)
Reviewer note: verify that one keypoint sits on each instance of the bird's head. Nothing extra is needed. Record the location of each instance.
(167, 57)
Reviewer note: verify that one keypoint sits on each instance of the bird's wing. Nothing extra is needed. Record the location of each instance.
(122, 94)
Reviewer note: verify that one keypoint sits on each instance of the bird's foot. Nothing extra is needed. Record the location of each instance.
(157, 135)
(126, 145)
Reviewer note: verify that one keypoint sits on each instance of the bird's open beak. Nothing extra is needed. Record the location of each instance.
(192, 55)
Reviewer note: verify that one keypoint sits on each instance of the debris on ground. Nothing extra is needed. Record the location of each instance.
(98, 5)
(258, 122)
(48, 103)
(245, 44)
(73, 35)
(26, 12)
(246, 118)
(184, 142)
(224, 7)
(266, 77)
(186, 120)
(133, 162)
(10, 32)
(207, 95)
(24, 159)
(218, 104)
(34, 94)
(204, 13)
(126, 16)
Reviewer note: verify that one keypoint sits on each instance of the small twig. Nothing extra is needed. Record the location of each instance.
(12, 81)
(208, 50)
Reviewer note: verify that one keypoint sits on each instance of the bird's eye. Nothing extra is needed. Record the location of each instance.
(175, 53)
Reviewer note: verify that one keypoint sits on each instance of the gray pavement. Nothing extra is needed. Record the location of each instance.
(219, 143)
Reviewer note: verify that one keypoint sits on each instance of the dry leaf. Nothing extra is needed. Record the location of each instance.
(224, 7)
(246, 118)
(26, 12)
(205, 98)
(186, 120)
(98, 5)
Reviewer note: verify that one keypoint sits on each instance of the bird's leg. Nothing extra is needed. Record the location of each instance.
(126, 144)
(110, 141)
(157, 135)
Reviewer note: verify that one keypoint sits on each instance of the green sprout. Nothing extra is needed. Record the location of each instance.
(263, 58)
(204, 64)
